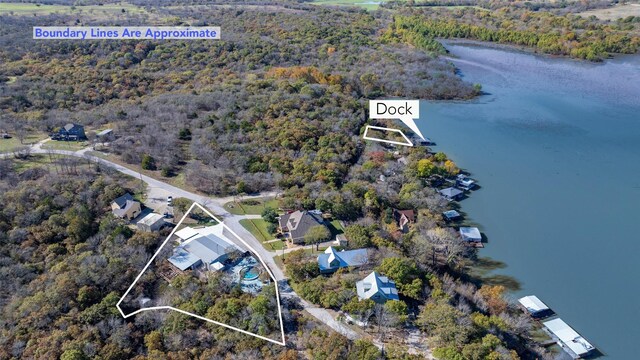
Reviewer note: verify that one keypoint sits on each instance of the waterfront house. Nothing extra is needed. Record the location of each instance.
(151, 222)
(294, 226)
(332, 260)
(451, 215)
(451, 193)
(536, 308)
(377, 288)
(404, 218)
(70, 132)
(471, 234)
(572, 342)
(125, 207)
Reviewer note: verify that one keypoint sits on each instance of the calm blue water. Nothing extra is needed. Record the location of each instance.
(556, 148)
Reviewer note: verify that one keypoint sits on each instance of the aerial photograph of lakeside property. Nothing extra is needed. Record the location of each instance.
(319, 179)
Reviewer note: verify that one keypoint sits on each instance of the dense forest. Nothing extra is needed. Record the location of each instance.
(65, 262)
(557, 34)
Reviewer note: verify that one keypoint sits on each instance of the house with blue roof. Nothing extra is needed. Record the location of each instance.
(332, 260)
(377, 288)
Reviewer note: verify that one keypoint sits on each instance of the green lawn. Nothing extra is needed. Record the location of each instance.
(258, 228)
(65, 145)
(335, 228)
(8, 145)
(251, 206)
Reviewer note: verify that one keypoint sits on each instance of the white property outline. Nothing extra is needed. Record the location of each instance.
(364, 136)
(198, 316)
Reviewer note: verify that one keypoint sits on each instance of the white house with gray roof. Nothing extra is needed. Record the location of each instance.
(377, 288)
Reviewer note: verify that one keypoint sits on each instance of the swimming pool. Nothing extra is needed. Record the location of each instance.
(251, 273)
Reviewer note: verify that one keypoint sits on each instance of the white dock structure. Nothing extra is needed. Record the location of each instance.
(534, 306)
(572, 342)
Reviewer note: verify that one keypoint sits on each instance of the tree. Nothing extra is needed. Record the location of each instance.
(425, 168)
(148, 162)
(153, 341)
(358, 236)
(184, 134)
(316, 235)
(404, 272)
(73, 354)
(270, 215)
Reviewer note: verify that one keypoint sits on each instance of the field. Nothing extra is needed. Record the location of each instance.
(251, 206)
(366, 4)
(65, 145)
(7, 145)
(613, 13)
(38, 9)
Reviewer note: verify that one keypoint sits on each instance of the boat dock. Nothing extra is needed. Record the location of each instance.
(570, 341)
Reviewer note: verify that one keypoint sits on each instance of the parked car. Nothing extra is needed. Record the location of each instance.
(170, 200)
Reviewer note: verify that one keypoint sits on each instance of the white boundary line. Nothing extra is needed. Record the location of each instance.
(283, 343)
(364, 136)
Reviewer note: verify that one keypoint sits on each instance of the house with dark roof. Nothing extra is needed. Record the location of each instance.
(70, 132)
(404, 218)
(452, 193)
(294, 226)
(332, 260)
(377, 288)
(125, 207)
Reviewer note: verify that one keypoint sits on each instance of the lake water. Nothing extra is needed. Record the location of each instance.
(555, 146)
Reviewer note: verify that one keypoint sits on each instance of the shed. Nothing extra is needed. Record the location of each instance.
(471, 234)
(151, 222)
(451, 215)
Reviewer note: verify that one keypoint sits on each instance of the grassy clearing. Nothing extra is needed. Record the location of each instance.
(251, 206)
(335, 228)
(613, 13)
(40, 9)
(65, 145)
(257, 228)
(8, 145)
(365, 4)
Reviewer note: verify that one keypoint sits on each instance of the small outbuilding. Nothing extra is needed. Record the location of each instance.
(471, 234)
(151, 222)
(451, 215)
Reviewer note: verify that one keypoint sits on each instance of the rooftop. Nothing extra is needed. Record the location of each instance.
(470, 234)
(183, 259)
(569, 337)
(533, 304)
(151, 219)
(333, 260)
(374, 284)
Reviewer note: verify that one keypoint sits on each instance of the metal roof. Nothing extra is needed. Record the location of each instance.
(342, 259)
(374, 284)
(569, 337)
(533, 304)
(186, 233)
(183, 259)
(470, 234)
(151, 219)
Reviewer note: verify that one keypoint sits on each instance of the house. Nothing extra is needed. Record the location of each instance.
(70, 132)
(536, 308)
(471, 234)
(377, 288)
(451, 215)
(572, 342)
(206, 246)
(404, 218)
(295, 225)
(212, 250)
(151, 222)
(125, 207)
(451, 193)
(332, 260)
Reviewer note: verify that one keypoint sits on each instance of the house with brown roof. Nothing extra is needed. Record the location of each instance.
(404, 218)
(294, 226)
(125, 207)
